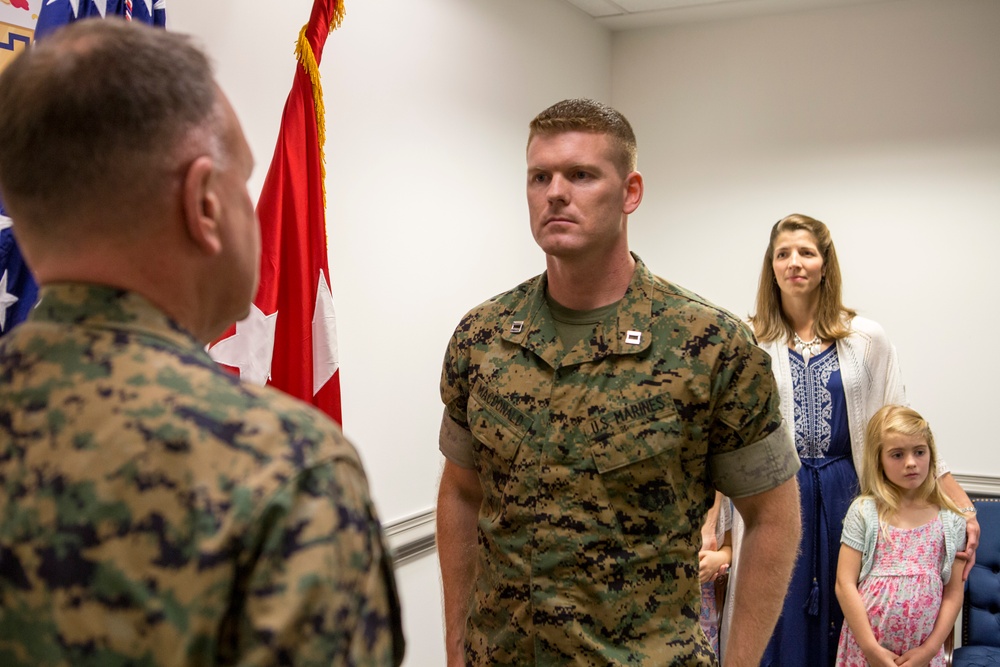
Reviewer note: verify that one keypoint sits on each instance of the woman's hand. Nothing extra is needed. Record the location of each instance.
(971, 542)
(711, 565)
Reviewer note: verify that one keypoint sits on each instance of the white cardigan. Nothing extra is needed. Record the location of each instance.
(869, 370)
(870, 373)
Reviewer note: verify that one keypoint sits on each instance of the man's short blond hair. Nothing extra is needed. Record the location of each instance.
(584, 115)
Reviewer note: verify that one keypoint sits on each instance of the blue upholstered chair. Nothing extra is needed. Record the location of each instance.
(981, 609)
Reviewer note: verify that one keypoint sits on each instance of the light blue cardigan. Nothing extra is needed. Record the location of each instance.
(861, 533)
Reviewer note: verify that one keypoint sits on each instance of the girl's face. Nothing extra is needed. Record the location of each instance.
(905, 461)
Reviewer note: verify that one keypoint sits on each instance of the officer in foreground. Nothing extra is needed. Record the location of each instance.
(155, 510)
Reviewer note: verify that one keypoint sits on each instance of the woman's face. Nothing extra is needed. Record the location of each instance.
(797, 263)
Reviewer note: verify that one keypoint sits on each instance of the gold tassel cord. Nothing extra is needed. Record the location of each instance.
(304, 54)
(338, 16)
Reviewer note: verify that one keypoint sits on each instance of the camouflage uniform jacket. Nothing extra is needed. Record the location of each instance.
(597, 466)
(157, 511)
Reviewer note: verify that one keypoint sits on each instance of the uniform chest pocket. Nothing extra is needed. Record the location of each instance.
(640, 469)
(498, 428)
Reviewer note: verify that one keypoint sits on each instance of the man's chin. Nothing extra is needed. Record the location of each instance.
(558, 245)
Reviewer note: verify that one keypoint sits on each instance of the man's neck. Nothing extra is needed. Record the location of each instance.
(589, 284)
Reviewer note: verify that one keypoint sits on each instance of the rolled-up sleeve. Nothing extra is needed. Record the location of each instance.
(456, 442)
(757, 467)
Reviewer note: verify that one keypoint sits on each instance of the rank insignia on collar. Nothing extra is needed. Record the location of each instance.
(633, 337)
(516, 327)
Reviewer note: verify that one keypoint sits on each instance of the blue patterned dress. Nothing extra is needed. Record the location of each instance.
(809, 628)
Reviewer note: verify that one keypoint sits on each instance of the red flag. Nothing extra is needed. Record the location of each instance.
(290, 338)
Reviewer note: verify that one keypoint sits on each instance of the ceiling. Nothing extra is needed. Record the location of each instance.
(630, 14)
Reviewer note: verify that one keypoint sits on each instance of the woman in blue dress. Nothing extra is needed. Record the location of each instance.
(834, 370)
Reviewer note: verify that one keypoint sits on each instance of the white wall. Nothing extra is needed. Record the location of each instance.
(427, 109)
(883, 121)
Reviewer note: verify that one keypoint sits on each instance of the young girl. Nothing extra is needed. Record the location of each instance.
(713, 564)
(894, 577)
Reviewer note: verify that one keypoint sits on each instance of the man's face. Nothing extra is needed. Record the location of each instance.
(577, 199)
(241, 244)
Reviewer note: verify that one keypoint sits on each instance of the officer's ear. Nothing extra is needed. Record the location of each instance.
(201, 206)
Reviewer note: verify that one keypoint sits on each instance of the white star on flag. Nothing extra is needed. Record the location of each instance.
(6, 301)
(251, 348)
(324, 336)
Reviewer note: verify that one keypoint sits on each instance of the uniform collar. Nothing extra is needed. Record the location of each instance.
(103, 307)
(530, 322)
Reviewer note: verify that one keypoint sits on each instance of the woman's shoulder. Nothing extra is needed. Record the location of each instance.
(867, 337)
(859, 325)
(770, 346)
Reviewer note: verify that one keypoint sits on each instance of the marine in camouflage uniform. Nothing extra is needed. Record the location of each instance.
(598, 464)
(157, 511)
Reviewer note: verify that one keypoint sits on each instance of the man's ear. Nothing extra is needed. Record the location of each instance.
(201, 206)
(633, 192)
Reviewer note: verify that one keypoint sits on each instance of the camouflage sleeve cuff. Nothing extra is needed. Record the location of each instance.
(455, 442)
(758, 467)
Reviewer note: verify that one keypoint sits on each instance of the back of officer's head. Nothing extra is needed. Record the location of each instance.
(99, 116)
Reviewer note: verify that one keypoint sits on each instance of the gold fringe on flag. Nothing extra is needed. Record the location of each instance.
(304, 54)
(338, 16)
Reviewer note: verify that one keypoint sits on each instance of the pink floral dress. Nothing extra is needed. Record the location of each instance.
(709, 615)
(902, 593)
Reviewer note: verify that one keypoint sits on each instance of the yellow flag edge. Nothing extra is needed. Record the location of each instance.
(304, 54)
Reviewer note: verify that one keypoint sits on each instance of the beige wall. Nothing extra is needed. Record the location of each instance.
(881, 120)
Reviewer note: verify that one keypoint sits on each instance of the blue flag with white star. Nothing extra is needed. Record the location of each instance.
(18, 290)
(55, 13)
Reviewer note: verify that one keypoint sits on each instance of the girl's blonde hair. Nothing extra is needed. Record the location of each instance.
(769, 322)
(901, 420)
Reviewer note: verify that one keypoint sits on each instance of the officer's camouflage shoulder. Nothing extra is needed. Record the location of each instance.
(278, 417)
(677, 296)
(478, 328)
(740, 373)
(170, 515)
(322, 554)
(494, 310)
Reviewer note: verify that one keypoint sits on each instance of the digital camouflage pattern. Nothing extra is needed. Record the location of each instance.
(156, 511)
(598, 464)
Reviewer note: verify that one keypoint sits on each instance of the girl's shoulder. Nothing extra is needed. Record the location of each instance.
(952, 520)
(954, 528)
(864, 506)
(861, 525)
(861, 515)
